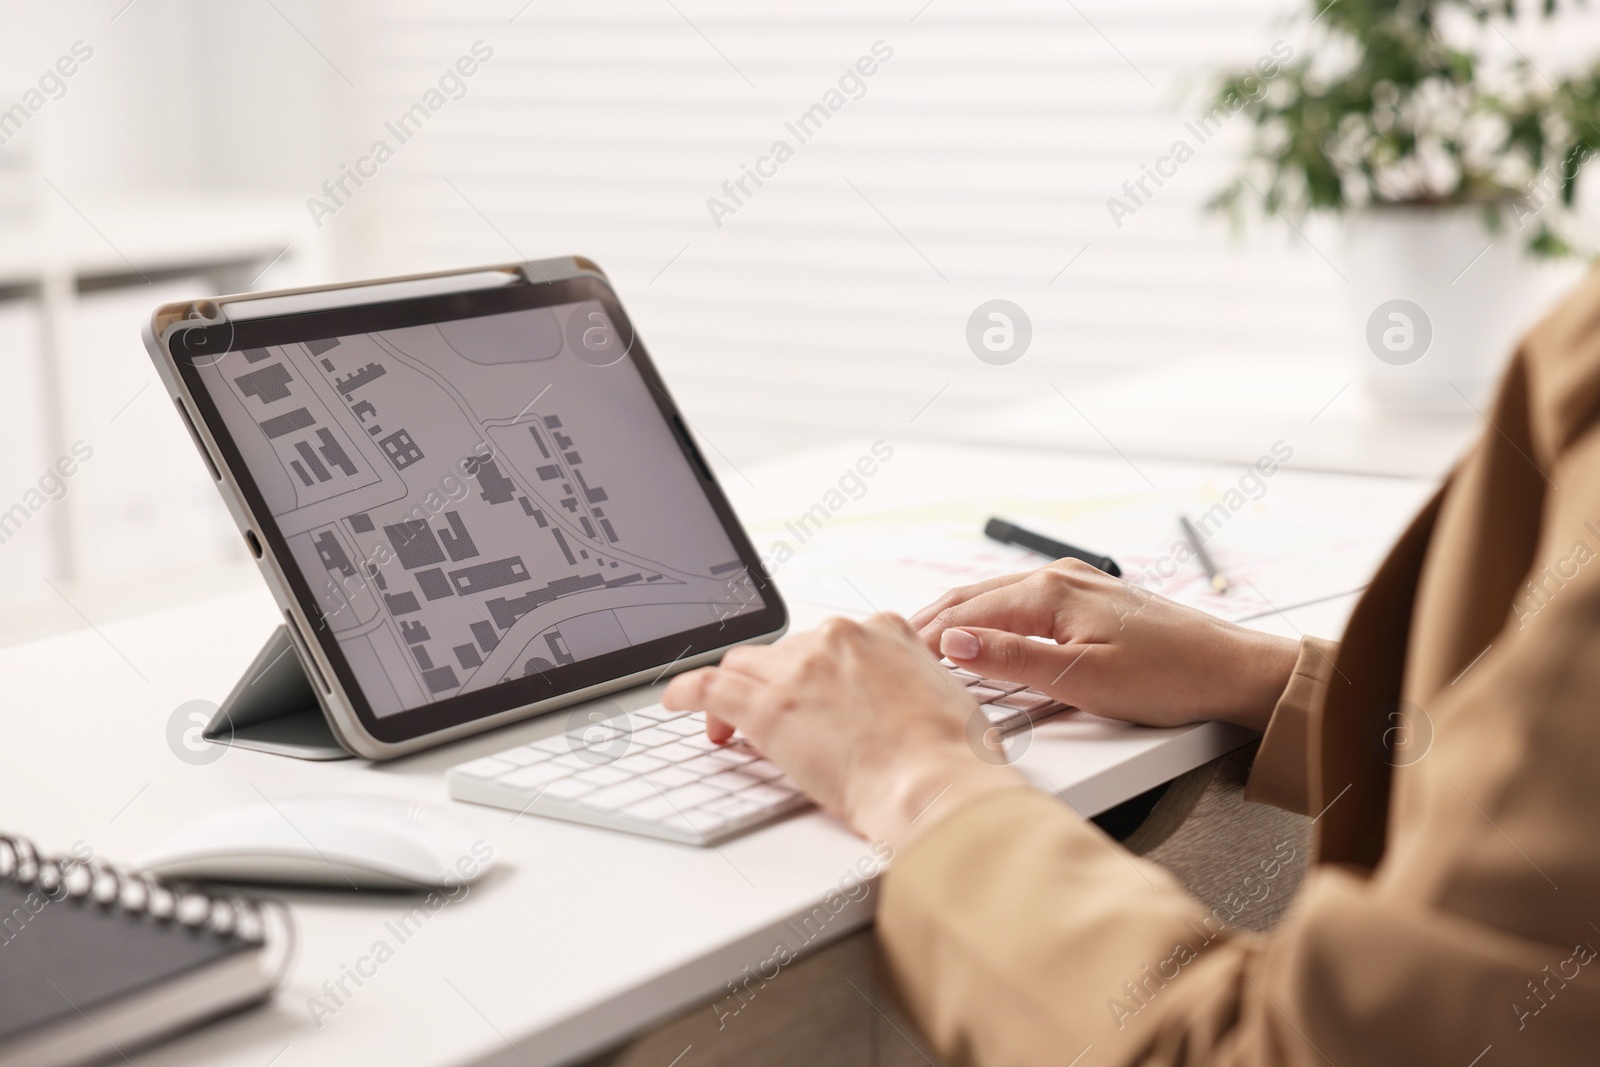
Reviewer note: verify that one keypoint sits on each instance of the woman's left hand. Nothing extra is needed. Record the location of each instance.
(861, 716)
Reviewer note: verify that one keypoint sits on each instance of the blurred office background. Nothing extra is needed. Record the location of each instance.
(183, 152)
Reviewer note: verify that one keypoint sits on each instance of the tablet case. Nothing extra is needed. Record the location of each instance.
(274, 708)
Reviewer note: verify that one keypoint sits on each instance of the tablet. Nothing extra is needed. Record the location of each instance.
(471, 493)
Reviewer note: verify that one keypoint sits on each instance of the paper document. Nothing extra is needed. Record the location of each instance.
(1279, 551)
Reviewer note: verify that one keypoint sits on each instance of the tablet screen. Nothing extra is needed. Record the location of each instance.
(478, 500)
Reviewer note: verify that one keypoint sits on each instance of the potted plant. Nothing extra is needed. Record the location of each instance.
(1454, 161)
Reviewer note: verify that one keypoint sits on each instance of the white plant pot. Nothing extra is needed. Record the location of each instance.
(1436, 302)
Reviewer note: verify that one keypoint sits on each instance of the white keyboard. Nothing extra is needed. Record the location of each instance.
(654, 772)
(1007, 705)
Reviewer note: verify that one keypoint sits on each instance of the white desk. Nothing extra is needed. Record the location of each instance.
(582, 937)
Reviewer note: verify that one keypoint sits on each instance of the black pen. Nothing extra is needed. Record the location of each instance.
(1010, 534)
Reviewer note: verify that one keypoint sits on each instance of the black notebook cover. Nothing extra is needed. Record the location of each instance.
(61, 955)
(97, 960)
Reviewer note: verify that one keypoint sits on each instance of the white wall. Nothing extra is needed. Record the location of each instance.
(977, 165)
(139, 523)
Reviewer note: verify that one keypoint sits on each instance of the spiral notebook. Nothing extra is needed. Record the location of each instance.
(97, 961)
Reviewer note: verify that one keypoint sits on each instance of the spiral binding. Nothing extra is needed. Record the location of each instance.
(133, 892)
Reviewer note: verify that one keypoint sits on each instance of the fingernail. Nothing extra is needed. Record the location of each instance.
(959, 644)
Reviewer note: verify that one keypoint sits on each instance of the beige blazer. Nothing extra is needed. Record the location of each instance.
(1450, 743)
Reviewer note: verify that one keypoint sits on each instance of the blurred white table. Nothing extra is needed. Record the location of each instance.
(582, 937)
(1232, 411)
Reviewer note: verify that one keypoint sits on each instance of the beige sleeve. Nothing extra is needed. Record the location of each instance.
(1010, 927)
(1015, 933)
(1281, 773)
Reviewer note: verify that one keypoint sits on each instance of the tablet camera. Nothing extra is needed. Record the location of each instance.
(599, 733)
(594, 338)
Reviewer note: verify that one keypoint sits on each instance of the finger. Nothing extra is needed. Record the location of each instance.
(1060, 670)
(719, 730)
(1022, 608)
(693, 692)
(896, 626)
(755, 661)
(889, 622)
(686, 692)
(959, 595)
(726, 694)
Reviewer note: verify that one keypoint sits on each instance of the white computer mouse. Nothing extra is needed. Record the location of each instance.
(335, 840)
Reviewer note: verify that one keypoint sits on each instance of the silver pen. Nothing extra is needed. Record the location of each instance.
(1219, 581)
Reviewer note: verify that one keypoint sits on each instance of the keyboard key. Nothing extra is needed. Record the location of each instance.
(565, 789)
(607, 751)
(573, 761)
(685, 726)
(676, 753)
(1024, 701)
(535, 776)
(707, 765)
(603, 775)
(733, 806)
(736, 753)
(621, 795)
(702, 742)
(671, 777)
(654, 736)
(655, 809)
(731, 781)
(556, 746)
(687, 796)
(767, 794)
(590, 735)
(985, 695)
(523, 756)
(965, 676)
(654, 713)
(640, 764)
(486, 767)
(762, 768)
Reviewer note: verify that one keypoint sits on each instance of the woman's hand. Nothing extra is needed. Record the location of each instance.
(860, 715)
(1119, 651)
(865, 720)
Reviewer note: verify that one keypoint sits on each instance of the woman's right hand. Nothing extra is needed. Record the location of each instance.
(1119, 651)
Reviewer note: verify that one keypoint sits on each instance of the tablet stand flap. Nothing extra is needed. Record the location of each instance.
(274, 708)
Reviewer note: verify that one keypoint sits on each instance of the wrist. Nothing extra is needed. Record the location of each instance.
(911, 801)
(1265, 662)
